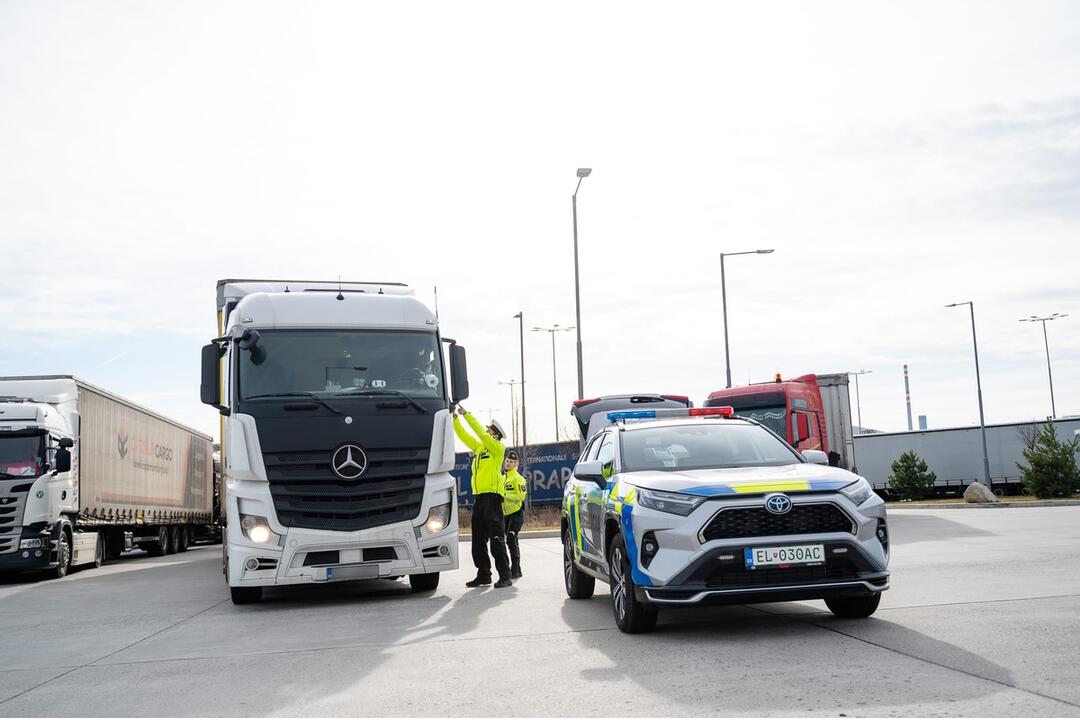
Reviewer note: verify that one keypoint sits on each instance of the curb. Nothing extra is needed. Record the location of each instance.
(954, 506)
(523, 535)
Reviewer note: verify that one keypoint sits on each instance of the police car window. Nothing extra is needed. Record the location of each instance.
(590, 451)
(717, 444)
(606, 453)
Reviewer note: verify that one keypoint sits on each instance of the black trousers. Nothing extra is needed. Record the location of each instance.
(488, 527)
(514, 521)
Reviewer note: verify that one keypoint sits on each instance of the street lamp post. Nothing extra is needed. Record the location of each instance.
(513, 408)
(858, 404)
(978, 386)
(723, 295)
(1046, 342)
(582, 173)
(554, 375)
(524, 437)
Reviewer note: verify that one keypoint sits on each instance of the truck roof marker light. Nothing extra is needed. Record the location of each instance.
(778, 378)
(630, 415)
(721, 411)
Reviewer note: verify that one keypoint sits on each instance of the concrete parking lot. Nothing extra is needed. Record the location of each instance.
(983, 619)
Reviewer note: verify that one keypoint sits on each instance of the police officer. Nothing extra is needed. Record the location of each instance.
(487, 487)
(514, 510)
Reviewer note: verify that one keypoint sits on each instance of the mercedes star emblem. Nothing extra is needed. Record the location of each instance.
(349, 462)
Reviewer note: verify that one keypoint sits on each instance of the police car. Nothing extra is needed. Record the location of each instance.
(677, 507)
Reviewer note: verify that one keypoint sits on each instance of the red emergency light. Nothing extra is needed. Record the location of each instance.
(723, 411)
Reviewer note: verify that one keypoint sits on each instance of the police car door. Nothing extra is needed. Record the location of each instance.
(596, 498)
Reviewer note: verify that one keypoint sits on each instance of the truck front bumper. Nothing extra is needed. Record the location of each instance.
(21, 558)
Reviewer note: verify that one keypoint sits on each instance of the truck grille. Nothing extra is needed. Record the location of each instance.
(12, 498)
(758, 522)
(308, 494)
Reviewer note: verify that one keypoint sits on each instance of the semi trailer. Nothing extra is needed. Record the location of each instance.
(86, 475)
(336, 440)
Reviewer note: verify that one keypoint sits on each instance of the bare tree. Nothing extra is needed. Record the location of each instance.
(1027, 435)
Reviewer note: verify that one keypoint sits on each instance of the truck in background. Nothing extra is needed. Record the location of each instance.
(337, 441)
(86, 475)
(955, 455)
(811, 412)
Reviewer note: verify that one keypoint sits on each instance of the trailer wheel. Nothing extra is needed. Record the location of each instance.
(174, 539)
(63, 554)
(245, 595)
(161, 546)
(99, 551)
(185, 540)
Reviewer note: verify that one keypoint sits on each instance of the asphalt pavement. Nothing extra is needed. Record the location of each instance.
(982, 620)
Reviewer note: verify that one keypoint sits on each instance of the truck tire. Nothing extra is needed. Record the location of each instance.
(579, 586)
(424, 582)
(631, 615)
(185, 539)
(245, 595)
(63, 554)
(161, 546)
(854, 607)
(99, 551)
(174, 539)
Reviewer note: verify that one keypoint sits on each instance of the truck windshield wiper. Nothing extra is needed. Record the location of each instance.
(396, 393)
(311, 395)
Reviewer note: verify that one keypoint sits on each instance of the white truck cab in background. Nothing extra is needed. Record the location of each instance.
(337, 442)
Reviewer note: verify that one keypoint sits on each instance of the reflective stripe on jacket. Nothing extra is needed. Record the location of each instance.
(487, 463)
(513, 492)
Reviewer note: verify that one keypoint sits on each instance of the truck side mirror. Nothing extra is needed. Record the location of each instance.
(65, 442)
(211, 377)
(459, 374)
(63, 460)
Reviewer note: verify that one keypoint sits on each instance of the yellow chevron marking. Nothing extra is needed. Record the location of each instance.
(771, 486)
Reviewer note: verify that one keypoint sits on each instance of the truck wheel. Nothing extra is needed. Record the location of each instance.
(424, 582)
(99, 551)
(631, 615)
(161, 547)
(63, 554)
(174, 539)
(854, 607)
(185, 539)
(245, 595)
(579, 586)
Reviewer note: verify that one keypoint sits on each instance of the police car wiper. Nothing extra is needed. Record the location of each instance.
(311, 395)
(397, 393)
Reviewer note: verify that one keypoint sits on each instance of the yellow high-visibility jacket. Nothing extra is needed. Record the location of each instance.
(487, 463)
(513, 492)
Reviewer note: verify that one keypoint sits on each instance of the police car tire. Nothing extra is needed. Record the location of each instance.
(631, 615)
(579, 586)
(854, 607)
(424, 582)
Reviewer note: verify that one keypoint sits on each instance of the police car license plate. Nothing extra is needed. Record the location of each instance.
(784, 556)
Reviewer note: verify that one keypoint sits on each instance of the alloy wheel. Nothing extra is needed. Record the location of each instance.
(618, 582)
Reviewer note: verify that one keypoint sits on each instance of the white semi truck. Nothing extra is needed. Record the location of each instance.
(86, 475)
(337, 442)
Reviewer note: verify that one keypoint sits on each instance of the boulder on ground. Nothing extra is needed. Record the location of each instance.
(979, 493)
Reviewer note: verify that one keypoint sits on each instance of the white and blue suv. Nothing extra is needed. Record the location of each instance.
(675, 507)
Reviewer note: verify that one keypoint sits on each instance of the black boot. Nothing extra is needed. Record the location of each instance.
(515, 573)
(503, 582)
(478, 582)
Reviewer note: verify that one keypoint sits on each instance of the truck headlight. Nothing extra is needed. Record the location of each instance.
(438, 518)
(669, 502)
(257, 530)
(30, 543)
(858, 492)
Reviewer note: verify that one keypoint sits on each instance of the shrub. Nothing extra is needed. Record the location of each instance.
(911, 478)
(1051, 470)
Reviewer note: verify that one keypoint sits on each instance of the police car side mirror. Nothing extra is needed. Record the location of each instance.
(589, 471)
(816, 457)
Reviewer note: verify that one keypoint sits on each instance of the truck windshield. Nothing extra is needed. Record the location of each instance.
(22, 455)
(702, 445)
(774, 418)
(333, 362)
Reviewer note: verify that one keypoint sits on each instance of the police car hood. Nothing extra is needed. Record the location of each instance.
(802, 477)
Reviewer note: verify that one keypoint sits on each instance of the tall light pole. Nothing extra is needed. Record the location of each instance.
(524, 437)
(582, 173)
(513, 407)
(858, 405)
(554, 375)
(723, 295)
(1046, 342)
(978, 385)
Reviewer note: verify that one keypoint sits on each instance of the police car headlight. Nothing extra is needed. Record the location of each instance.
(438, 518)
(858, 492)
(669, 502)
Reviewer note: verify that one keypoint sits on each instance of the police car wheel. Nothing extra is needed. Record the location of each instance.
(579, 586)
(854, 607)
(631, 615)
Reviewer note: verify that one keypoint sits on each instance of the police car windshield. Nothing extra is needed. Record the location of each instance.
(703, 445)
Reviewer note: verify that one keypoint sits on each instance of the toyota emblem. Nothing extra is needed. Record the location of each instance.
(778, 504)
(349, 462)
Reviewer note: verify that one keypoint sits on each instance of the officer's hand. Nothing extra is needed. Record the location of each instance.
(460, 409)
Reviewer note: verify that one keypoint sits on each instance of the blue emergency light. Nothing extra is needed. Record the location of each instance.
(630, 415)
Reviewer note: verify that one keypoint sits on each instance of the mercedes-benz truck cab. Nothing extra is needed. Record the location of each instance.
(337, 439)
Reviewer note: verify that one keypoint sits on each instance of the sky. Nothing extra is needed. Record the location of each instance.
(897, 158)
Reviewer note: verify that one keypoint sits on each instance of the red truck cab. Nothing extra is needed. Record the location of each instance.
(793, 409)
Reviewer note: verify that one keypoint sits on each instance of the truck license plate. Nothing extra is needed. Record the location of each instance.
(784, 556)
